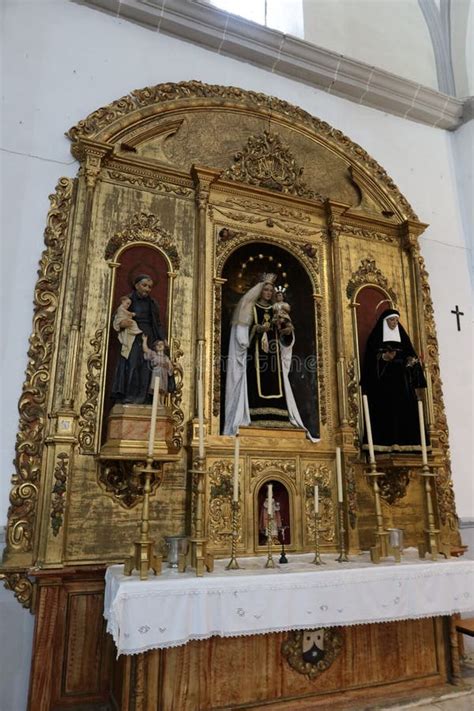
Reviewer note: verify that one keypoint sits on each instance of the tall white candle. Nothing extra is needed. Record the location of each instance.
(368, 428)
(200, 417)
(154, 410)
(316, 498)
(270, 499)
(340, 497)
(421, 420)
(236, 468)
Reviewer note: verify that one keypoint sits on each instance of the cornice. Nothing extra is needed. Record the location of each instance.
(289, 56)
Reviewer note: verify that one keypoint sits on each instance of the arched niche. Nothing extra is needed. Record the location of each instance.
(284, 522)
(129, 262)
(242, 269)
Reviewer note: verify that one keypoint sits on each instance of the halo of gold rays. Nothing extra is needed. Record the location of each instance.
(254, 266)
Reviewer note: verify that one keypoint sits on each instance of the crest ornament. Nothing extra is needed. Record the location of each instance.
(268, 163)
(144, 228)
(368, 273)
(312, 652)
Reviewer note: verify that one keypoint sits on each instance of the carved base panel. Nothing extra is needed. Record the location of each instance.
(378, 662)
(128, 430)
(74, 664)
(72, 655)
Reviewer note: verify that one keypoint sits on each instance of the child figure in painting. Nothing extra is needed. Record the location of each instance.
(161, 365)
(126, 335)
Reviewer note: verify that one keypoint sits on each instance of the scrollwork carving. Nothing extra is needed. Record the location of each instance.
(122, 480)
(144, 228)
(88, 411)
(177, 414)
(216, 402)
(319, 474)
(368, 273)
(21, 586)
(58, 500)
(146, 181)
(353, 398)
(268, 162)
(351, 493)
(320, 647)
(259, 207)
(393, 484)
(444, 484)
(285, 466)
(33, 400)
(220, 503)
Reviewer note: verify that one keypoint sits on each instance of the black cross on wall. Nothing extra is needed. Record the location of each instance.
(458, 313)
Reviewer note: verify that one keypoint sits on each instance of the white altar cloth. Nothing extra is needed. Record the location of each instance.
(174, 608)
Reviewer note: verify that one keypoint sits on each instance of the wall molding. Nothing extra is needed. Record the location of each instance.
(291, 57)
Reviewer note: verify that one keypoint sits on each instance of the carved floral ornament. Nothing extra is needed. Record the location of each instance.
(106, 123)
(144, 228)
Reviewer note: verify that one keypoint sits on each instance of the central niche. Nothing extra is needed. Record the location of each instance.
(243, 270)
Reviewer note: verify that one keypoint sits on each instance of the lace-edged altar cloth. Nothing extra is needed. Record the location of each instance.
(175, 608)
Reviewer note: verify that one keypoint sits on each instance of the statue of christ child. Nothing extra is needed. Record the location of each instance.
(126, 335)
(281, 312)
(161, 365)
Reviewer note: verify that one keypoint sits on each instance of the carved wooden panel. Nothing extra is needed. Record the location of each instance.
(375, 661)
(71, 653)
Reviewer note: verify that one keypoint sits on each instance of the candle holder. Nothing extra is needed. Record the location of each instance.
(143, 558)
(431, 546)
(317, 557)
(283, 559)
(270, 562)
(200, 559)
(342, 558)
(233, 563)
(381, 548)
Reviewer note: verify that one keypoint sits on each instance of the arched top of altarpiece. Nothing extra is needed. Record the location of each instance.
(159, 112)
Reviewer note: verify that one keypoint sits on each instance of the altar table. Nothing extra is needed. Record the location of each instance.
(175, 608)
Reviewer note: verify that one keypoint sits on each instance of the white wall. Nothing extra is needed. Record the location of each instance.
(390, 34)
(64, 61)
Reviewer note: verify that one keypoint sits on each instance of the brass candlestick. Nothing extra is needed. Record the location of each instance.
(200, 559)
(342, 558)
(270, 562)
(233, 563)
(380, 550)
(431, 545)
(144, 559)
(317, 557)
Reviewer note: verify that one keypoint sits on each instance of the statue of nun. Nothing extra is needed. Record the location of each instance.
(391, 376)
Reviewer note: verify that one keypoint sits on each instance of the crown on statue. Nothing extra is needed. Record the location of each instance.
(280, 289)
(269, 278)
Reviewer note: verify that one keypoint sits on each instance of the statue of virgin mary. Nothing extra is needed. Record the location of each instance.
(258, 390)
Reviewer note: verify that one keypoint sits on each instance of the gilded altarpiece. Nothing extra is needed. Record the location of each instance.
(197, 173)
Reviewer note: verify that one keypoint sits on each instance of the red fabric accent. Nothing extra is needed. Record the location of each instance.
(367, 299)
